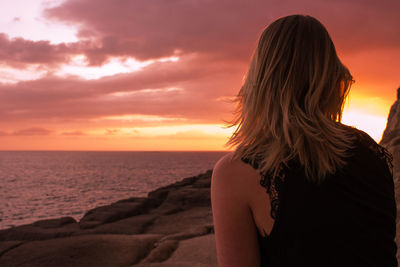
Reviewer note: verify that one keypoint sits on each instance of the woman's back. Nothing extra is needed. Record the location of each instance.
(333, 193)
(348, 220)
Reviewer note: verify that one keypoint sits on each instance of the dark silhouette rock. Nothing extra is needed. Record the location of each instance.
(391, 140)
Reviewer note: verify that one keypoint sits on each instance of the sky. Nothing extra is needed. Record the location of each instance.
(158, 75)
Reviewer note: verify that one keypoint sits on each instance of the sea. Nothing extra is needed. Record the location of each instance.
(38, 185)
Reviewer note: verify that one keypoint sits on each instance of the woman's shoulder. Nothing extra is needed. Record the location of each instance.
(365, 143)
(230, 163)
(231, 172)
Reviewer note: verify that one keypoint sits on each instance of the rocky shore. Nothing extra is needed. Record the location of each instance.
(172, 226)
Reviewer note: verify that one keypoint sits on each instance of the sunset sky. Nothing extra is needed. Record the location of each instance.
(157, 75)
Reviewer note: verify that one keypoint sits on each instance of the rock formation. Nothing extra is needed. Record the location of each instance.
(171, 227)
(391, 140)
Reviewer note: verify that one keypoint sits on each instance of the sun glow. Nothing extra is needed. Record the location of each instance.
(371, 124)
(78, 66)
(12, 76)
(139, 117)
(367, 113)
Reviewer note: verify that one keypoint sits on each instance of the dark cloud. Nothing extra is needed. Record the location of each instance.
(73, 133)
(221, 30)
(18, 52)
(32, 131)
(149, 29)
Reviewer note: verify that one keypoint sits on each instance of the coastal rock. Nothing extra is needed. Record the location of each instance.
(129, 226)
(135, 231)
(115, 212)
(391, 140)
(181, 221)
(200, 250)
(86, 250)
(197, 251)
(8, 245)
(40, 230)
(162, 251)
(391, 136)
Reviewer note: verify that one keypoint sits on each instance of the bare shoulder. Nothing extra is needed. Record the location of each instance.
(228, 165)
(225, 162)
(234, 228)
(231, 174)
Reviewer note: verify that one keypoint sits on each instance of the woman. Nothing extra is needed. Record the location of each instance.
(301, 189)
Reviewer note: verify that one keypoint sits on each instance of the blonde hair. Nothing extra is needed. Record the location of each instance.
(290, 104)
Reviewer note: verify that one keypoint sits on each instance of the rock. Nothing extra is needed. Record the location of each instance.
(41, 230)
(162, 251)
(197, 251)
(181, 221)
(197, 230)
(185, 198)
(115, 212)
(8, 245)
(202, 183)
(194, 252)
(391, 140)
(54, 223)
(146, 230)
(175, 264)
(129, 226)
(85, 251)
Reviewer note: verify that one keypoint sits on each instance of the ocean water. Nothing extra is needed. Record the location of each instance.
(37, 185)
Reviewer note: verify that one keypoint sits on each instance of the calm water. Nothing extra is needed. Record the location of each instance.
(37, 185)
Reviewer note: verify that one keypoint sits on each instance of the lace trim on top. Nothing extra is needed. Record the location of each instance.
(382, 153)
(274, 188)
(273, 185)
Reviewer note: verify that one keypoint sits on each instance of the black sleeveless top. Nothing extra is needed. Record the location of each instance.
(348, 220)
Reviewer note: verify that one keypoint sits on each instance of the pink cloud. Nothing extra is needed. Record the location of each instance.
(54, 98)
